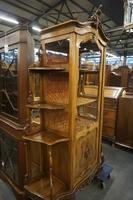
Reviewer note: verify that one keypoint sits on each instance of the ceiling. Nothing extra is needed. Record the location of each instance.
(45, 13)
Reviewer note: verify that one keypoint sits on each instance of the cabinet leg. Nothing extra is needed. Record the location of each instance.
(50, 172)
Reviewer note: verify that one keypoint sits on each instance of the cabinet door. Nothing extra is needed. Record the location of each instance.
(88, 119)
(89, 78)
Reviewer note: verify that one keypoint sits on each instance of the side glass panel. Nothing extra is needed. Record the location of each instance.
(8, 82)
(57, 52)
(90, 58)
(37, 88)
(49, 91)
(9, 157)
(35, 119)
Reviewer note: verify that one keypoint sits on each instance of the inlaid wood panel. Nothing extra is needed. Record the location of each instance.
(86, 152)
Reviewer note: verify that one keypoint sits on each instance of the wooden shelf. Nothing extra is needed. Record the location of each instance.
(48, 138)
(45, 69)
(46, 106)
(82, 101)
(88, 71)
(41, 188)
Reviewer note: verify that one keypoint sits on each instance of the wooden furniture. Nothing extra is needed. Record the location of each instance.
(107, 75)
(111, 101)
(13, 113)
(119, 77)
(130, 82)
(124, 135)
(92, 79)
(110, 114)
(63, 141)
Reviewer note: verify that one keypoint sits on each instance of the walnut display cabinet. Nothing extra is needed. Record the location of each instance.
(63, 141)
(16, 50)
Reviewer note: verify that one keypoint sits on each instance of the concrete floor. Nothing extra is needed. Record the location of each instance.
(6, 192)
(119, 187)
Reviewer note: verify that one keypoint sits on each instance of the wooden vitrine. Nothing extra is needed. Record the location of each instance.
(16, 53)
(64, 138)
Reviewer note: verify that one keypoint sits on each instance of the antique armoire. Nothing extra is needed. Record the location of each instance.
(16, 54)
(62, 130)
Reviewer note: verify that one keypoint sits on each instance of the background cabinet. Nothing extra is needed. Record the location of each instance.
(13, 100)
(110, 112)
(124, 135)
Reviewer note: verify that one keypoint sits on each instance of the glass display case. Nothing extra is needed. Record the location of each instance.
(8, 80)
(63, 141)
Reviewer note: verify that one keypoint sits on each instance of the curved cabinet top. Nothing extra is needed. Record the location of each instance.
(76, 26)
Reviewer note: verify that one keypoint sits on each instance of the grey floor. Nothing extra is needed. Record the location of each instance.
(6, 192)
(119, 187)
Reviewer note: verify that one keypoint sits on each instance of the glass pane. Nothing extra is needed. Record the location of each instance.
(8, 80)
(9, 157)
(57, 52)
(37, 87)
(35, 118)
(90, 58)
(36, 54)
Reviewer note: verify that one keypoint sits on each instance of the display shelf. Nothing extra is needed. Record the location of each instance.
(41, 188)
(48, 138)
(82, 70)
(82, 101)
(46, 106)
(88, 71)
(36, 121)
(46, 69)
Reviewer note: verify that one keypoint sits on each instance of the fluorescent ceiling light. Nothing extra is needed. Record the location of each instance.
(111, 55)
(8, 19)
(56, 52)
(129, 30)
(36, 28)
